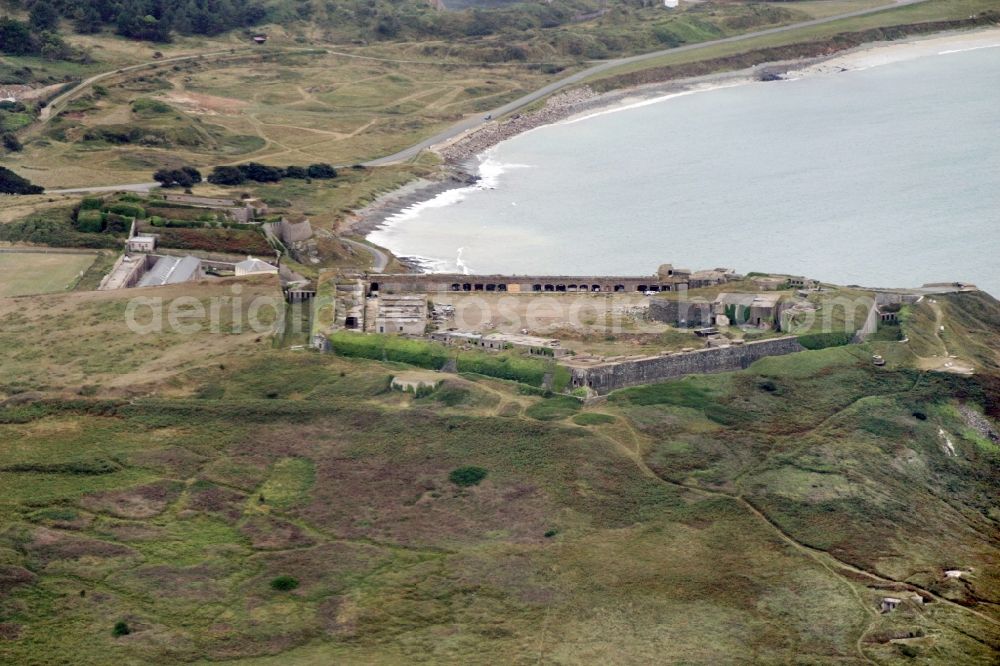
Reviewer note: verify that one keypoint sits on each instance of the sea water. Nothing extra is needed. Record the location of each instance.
(882, 177)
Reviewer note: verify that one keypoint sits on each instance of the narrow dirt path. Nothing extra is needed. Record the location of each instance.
(633, 449)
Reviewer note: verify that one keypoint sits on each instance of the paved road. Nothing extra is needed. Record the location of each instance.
(471, 122)
(476, 121)
(381, 259)
(131, 187)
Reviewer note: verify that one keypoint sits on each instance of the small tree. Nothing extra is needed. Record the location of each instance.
(467, 476)
(11, 183)
(121, 628)
(43, 16)
(226, 175)
(285, 583)
(321, 170)
(11, 142)
(184, 177)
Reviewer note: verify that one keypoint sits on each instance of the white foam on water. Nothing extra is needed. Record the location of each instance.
(489, 173)
(971, 48)
(651, 101)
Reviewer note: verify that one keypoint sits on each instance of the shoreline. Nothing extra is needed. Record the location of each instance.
(463, 154)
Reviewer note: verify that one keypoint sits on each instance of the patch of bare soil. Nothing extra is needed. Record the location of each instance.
(201, 103)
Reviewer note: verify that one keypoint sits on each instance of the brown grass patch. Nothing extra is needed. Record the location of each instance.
(414, 503)
(139, 502)
(47, 546)
(11, 576)
(9, 631)
(175, 461)
(212, 499)
(200, 583)
(269, 533)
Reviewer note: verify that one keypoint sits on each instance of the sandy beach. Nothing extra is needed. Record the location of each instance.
(463, 155)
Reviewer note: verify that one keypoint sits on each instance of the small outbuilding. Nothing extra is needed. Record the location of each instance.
(141, 243)
(252, 266)
(889, 604)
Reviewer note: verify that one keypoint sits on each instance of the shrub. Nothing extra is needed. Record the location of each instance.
(11, 142)
(127, 210)
(467, 476)
(116, 224)
(227, 175)
(150, 106)
(823, 340)
(186, 176)
(91, 203)
(321, 171)
(90, 221)
(284, 583)
(390, 348)
(121, 628)
(261, 173)
(526, 370)
(11, 183)
(45, 230)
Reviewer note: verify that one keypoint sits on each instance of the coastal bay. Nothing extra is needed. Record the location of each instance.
(851, 169)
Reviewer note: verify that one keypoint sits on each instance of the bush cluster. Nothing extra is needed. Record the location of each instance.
(11, 183)
(261, 173)
(186, 176)
(824, 340)
(467, 476)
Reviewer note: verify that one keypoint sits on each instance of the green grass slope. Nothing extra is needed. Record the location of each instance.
(291, 508)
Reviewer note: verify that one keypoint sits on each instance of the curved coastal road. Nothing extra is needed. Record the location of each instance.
(478, 120)
(380, 258)
(472, 122)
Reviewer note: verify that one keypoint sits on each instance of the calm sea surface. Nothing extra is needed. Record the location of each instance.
(888, 176)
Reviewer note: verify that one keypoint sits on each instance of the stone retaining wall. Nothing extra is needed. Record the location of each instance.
(634, 372)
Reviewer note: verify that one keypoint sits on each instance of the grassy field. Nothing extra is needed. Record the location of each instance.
(116, 356)
(279, 109)
(39, 273)
(934, 10)
(757, 516)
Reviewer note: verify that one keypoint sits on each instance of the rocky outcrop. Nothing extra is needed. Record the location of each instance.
(558, 107)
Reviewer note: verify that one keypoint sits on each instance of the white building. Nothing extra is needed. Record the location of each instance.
(253, 266)
(141, 243)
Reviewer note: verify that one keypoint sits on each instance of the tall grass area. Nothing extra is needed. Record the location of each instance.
(615, 536)
(434, 356)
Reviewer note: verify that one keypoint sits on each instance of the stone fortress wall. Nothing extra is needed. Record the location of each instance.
(604, 377)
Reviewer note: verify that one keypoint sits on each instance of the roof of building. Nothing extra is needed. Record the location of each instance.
(523, 340)
(752, 300)
(252, 265)
(171, 270)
